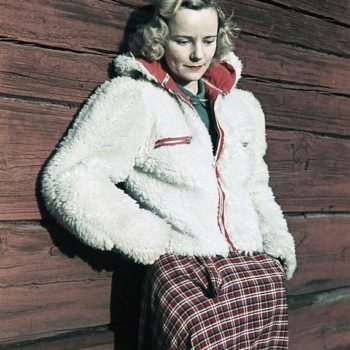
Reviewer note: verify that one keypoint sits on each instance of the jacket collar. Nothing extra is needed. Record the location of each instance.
(219, 79)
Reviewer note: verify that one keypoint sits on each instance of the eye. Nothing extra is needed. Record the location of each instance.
(209, 41)
(182, 42)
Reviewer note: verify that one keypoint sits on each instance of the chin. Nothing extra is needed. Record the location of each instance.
(193, 76)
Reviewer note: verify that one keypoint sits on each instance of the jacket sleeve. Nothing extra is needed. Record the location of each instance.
(79, 182)
(277, 240)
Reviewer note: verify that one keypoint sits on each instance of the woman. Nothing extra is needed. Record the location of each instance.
(188, 147)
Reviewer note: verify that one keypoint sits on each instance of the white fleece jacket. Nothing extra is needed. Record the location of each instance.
(179, 197)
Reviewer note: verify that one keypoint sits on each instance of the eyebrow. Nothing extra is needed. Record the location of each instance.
(190, 37)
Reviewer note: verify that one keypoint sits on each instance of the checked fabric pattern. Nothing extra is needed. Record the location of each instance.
(236, 303)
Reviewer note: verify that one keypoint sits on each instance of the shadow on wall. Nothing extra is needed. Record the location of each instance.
(127, 276)
(126, 284)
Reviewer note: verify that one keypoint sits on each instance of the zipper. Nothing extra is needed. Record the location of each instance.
(220, 144)
(172, 141)
(221, 206)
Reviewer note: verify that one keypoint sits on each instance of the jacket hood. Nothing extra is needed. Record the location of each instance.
(221, 77)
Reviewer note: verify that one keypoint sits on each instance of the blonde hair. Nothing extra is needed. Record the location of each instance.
(149, 40)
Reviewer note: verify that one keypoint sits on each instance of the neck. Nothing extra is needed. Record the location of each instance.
(191, 86)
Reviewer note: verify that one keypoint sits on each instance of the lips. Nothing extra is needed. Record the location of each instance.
(195, 68)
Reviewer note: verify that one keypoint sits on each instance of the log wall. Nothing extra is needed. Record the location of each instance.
(56, 293)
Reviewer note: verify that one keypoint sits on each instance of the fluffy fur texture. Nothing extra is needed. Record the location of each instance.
(170, 203)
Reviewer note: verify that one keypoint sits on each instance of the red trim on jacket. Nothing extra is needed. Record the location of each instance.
(172, 141)
(222, 196)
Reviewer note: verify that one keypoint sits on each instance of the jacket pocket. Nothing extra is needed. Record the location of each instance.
(280, 265)
(173, 141)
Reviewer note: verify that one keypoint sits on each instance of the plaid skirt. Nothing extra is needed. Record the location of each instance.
(238, 302)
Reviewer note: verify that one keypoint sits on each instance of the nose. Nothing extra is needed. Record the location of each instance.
(197, 52)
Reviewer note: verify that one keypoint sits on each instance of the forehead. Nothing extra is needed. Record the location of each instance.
(188, 21)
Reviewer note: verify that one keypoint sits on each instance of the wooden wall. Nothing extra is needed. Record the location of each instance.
(56, 293)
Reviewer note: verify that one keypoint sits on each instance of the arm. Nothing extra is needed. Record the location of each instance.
(277, 240)
(78, 184)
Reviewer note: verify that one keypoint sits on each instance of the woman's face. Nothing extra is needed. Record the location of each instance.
(191, 45)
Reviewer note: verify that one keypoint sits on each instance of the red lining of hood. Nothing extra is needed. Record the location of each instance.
(221, 75)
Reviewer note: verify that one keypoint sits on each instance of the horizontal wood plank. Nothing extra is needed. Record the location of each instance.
(27, 139)
(337, 11)
(57, 76)
(26, 248)
(320, 321)
(42, 310)
(322, 247)
(89, 26)
(51, 284)
(265, 19)
(308, 172)
(88, 339)
(290, 107)
(284, 64)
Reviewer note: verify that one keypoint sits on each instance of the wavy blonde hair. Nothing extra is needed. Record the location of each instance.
(149, 40)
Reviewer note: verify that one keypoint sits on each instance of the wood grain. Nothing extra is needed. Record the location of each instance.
(323, 253)
(293, 107)
(41, 310)
(27, 139)
(25, 249)
(308, 172)
(320, 321)
(337, 11)
(266, 20)
(58, 76)
(284, 64)
(51, 284)
(89, 26)
(86, 26)
(90, 339)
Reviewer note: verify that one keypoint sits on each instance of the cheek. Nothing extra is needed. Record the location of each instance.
(170, 56)
(211, 52)
(174, 61)
(176, 54)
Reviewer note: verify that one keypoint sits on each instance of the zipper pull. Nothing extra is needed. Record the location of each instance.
(214, 163)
